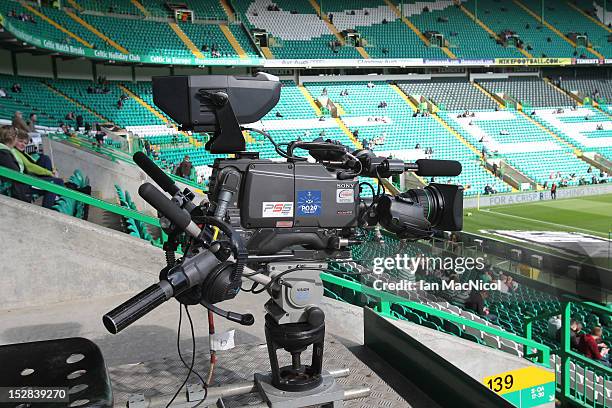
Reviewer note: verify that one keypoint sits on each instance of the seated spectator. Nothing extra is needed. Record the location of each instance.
(16, 88)
(184, 168)
(489, 190)
(43, 165)
(476, 303)
(278, 114)
(455, 296)
(371, 84)
(592, 347)
(8, 136)
(574, 333)
(70, 116)
(2, 93)
(99, 135)
(29, 166)
(510, 285)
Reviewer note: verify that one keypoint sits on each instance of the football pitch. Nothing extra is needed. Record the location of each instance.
(590, 215)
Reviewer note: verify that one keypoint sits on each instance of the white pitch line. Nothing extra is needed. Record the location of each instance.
(546, 222)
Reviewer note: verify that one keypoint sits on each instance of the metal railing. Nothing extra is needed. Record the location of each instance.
(76, 195)
(595, 394)
(540, 353)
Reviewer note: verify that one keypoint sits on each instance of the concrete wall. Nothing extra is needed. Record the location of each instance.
(145, 73)
(114, 72)
(6, 65)
(36, 66)
(48, 257)
(74, 69)
(103, 174)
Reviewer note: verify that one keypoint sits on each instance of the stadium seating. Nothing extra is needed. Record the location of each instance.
(35, 97)
(382, 42)
(502, 15)
(567, 20)
(403, 131)
(131, 113)
(211, 34)
(137, 35)
(528, 91)
(117, 7)
(510, 308)
(466, 39)
(451, 94)
(141, 36)
(586, 128)
(586, 87)
(311, 41)
(131, 226)
(523, 144)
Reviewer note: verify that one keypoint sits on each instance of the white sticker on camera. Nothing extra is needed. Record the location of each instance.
(277, 209)
(345, 196)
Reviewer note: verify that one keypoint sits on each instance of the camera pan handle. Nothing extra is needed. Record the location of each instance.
(136, 307)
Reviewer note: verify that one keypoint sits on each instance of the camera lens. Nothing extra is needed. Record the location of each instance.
(432, 201)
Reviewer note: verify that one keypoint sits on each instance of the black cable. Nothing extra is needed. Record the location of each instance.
(276, 145)
(190, 368)
(369, 185)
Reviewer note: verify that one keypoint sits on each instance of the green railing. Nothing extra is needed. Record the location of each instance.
(75, 195)
(582, 396)
(539, 353)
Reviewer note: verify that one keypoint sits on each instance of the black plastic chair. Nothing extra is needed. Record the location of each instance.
(75, 363)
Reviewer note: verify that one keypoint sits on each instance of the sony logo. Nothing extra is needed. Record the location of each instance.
(345, 185)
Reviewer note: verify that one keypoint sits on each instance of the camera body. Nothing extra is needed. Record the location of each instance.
(278, 205)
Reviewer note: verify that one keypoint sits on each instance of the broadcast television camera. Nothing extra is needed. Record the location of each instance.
(282, 219)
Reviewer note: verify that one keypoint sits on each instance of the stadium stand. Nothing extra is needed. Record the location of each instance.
(311, 41)
(599, 89)
(451, 94)
(506, 15)
(141, 36)
(569, 21)
(117, 7)
(402, 131)
(467, 40)
(522, 143)
(118, 33)
(528, 91)
(585, 127)
(35, 97)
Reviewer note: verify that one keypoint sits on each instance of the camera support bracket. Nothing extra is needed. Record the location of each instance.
(227, 137)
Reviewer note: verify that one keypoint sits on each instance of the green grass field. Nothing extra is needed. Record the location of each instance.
(589, 215)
